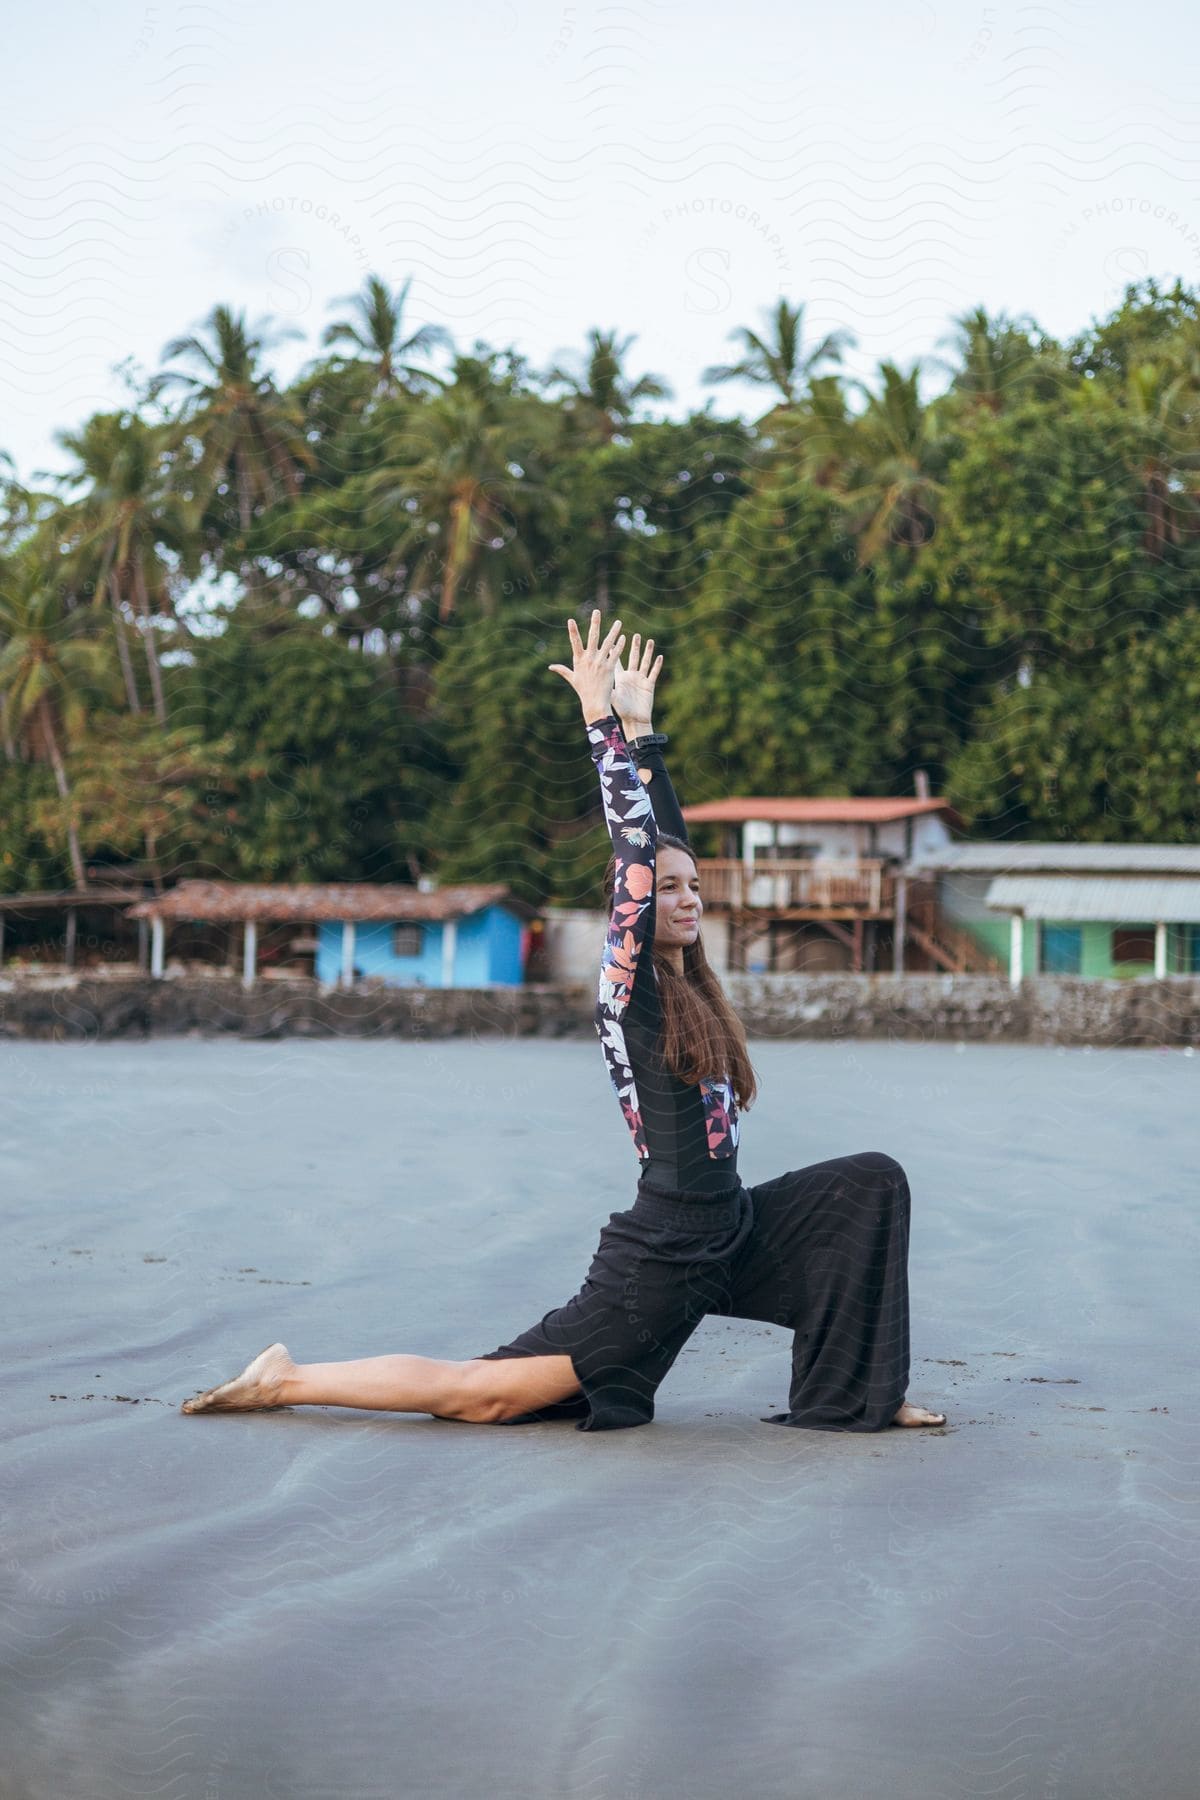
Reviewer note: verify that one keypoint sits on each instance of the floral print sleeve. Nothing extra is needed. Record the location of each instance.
(680, 1123)
(629, 816)
(720, 1116)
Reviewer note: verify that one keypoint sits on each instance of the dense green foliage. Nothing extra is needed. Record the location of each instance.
(303, 633)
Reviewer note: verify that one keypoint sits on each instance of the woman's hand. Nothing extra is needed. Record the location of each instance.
(595, 666)
(633, 690)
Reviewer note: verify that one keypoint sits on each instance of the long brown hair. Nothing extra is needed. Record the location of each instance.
(702, 1035)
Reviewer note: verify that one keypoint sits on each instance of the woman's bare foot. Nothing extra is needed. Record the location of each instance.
(259, 1387)
(917, 1415)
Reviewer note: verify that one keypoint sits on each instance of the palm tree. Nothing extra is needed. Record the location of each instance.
(140, 783)
(817, 432)
(777, 359)
(995, 359)
(601, 400)
(23, 510)
(11, 492)
(1164, 432)
(887, 486)
(49, 671)
(376, 334)
(465, 485)
(600, 390)
(129, 511)
(236, 412)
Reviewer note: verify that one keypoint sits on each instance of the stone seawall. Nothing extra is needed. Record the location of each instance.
(970, 1008)
(913, 1008)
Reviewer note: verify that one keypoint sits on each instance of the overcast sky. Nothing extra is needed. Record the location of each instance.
(662, 168)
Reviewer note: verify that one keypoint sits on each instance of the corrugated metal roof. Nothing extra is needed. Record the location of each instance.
(1101, 859)
(1113, 899)
(831, 809)
(280, 902)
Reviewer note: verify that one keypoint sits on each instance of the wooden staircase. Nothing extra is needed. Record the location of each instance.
(954, 950)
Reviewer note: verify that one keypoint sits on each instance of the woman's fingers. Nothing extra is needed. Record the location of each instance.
(641, 655)
(613, 639)
(594, 649)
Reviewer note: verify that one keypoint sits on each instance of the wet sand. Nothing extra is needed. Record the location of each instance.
(319, 1602)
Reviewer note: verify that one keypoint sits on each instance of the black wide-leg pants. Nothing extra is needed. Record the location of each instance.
(822, 1251)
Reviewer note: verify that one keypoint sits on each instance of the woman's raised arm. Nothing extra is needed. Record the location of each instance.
(633, 700)
(628, 812)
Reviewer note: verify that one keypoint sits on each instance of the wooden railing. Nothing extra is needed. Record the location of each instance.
(860, 884)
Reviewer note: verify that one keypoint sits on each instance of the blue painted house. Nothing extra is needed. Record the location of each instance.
(463, 937)
(472, 935)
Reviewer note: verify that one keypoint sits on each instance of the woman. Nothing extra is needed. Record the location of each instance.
(823, 1250)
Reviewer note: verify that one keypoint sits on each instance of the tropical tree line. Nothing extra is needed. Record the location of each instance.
(301, 631)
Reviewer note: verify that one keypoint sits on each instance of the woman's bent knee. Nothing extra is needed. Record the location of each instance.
(885, 1183)
(881, 1163)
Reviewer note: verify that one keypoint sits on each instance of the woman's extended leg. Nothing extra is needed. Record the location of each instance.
(476, 1390)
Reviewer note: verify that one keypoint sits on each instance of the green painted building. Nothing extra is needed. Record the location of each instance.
(1093, 910)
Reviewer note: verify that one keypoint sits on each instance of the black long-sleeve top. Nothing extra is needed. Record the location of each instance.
(686, 1137)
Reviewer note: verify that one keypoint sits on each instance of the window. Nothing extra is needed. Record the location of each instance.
(1062, 949)
(408, 940)
(1133, 944)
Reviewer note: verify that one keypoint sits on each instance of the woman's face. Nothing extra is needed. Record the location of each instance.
(677, 920)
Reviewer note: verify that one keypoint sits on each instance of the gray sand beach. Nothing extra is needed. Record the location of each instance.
(323, 1603)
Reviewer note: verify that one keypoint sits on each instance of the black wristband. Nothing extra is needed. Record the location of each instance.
(652, 741)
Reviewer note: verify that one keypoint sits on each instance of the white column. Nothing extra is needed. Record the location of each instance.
(157, 935)
(347, 952)
(449, 946)
(249, 953)
(899, 925)
(1160, 950)
(1015, 949)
